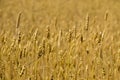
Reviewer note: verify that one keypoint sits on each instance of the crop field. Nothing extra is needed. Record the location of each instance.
(59, 40)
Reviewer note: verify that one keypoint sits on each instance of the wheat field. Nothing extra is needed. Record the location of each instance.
(59, 40)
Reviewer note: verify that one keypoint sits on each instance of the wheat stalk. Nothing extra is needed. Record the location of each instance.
(106, 15)
(87, 22)
(48, 32)
(59, 38)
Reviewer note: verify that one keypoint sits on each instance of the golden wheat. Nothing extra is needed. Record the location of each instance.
(51, 40)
